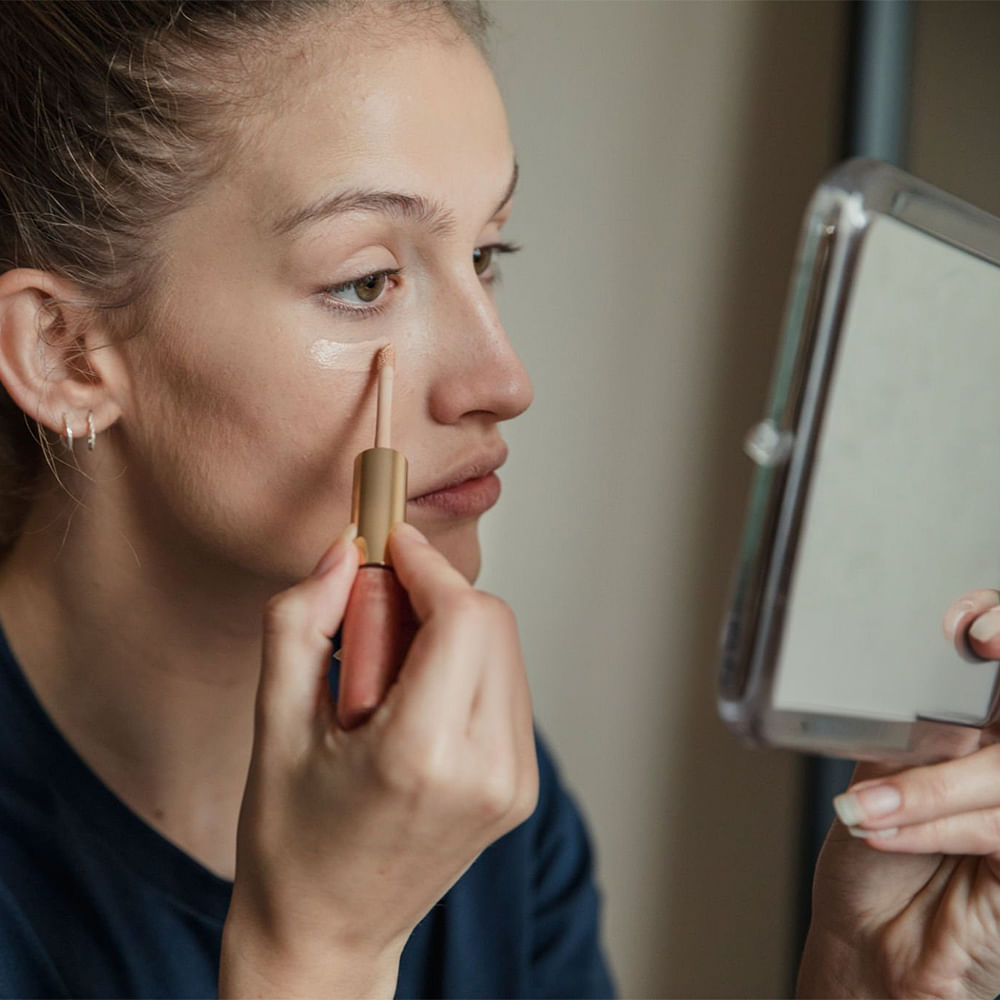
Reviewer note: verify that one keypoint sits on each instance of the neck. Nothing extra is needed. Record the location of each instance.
(146, 658)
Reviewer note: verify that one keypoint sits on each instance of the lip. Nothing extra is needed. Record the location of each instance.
(470, 490)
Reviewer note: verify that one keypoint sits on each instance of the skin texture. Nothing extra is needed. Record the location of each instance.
(222, 471)
(231, 396)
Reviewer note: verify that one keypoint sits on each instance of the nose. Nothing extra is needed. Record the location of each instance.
(476, 369)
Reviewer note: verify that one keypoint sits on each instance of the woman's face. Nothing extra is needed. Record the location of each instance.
(358, 213)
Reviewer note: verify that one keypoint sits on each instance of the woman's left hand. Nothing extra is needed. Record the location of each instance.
(906, 900)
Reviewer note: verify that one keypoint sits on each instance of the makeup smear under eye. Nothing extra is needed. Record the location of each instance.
(344, 357)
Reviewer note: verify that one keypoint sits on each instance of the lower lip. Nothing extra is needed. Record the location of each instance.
(468, 499)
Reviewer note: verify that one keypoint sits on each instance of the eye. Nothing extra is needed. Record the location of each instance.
(482, 257)
(362, 291)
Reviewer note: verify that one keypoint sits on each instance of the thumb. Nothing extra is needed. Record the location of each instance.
(298, 626)
(971, 624)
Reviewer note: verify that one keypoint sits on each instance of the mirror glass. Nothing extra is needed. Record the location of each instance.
(879, 487)
(905, 491)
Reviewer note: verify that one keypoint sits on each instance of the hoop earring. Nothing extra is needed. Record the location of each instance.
(69, 433)
(91, 433)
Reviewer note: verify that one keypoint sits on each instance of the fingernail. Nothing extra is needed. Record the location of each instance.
(856, 831)
(954, 616)
(987, 626)
(408, 531)
(337, 552)
(853, 808)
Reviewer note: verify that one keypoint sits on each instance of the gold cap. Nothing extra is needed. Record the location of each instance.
(379, 501)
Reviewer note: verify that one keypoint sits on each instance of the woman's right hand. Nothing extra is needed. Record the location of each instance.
(346, 839)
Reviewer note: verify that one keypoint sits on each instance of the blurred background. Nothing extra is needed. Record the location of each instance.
(667, 152)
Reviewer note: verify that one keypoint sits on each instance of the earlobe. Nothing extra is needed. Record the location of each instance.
(46, 338)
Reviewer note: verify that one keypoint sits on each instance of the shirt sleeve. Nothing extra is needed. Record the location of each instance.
(567, 956)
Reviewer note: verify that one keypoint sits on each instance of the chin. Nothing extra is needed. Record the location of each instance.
(460, 545)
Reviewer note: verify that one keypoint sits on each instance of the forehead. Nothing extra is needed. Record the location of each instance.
(421, 113)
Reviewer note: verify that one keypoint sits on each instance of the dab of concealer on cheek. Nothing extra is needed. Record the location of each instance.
(338, 356)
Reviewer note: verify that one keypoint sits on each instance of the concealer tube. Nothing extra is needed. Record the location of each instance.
(379, 623)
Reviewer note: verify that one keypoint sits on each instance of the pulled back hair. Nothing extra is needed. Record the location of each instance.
(112, 114)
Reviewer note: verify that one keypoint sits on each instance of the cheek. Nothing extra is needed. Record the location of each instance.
(253, 465)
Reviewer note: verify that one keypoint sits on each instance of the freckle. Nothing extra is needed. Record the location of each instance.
(158, 814)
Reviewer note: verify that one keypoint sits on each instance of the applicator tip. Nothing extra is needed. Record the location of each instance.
(385, 356)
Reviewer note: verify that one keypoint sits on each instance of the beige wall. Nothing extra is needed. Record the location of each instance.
(955, 115)
(667, 150)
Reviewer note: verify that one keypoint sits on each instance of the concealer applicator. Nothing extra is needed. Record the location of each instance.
(379, 622)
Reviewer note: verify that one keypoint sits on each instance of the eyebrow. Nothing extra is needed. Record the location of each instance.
(396, 204)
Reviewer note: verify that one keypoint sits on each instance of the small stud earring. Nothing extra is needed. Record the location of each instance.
(91, 432)
(69, 433)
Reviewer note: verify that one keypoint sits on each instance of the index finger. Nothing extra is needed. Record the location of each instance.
(921, 794)
(426, 575)
(441, 673)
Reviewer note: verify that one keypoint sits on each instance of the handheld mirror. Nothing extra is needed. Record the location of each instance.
(876, 501)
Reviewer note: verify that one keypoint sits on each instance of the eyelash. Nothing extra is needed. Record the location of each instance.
(490, 276)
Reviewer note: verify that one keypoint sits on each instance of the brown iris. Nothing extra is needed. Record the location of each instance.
(370, 288)
(481, 258)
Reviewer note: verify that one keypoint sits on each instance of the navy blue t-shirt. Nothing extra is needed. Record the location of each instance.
(95, 903)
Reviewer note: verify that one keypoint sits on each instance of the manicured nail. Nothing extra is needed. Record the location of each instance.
(337, 552)
(987, 626)
(954, 615)
(856, 831)
(408, 531)
(853, 808)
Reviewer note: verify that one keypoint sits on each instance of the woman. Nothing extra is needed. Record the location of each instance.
(214, 216)
(219, 214)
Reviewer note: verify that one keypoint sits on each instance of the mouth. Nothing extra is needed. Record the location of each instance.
(469, 491)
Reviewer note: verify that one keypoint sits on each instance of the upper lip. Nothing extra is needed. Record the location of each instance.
(486, 462)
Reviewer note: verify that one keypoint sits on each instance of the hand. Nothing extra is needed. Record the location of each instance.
(906, 901)
(346, 839)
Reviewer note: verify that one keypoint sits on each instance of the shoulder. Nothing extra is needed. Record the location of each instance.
(566, 902)
(524, 920)
(25, 967)
(26, 848)
(551, 857)
(557, 812)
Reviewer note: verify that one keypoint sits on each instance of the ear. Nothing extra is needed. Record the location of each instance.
(50, 364)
